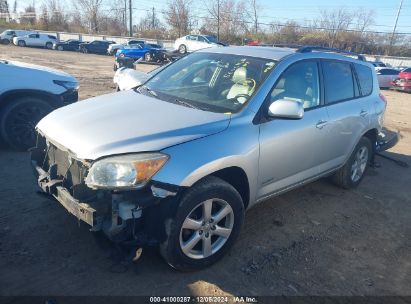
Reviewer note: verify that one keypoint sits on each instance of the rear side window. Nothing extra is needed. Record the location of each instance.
(338, 81)
(364, 74)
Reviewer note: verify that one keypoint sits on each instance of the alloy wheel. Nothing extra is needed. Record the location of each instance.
(206, 229)
(360, 163)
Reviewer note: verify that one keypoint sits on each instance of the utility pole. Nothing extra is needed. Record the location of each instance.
(218, 20)
(131, 17)
(395, 26)
(153, 19)
(125, 15)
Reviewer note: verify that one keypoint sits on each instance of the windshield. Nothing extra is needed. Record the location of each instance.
(212, 39)
(212, 82)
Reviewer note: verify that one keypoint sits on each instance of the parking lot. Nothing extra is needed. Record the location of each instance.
(317, 240)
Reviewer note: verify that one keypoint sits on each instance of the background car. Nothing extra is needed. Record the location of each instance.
(378, 64)
(191, 43)
(28, 93)
(68, 45)
(145, 51)
(113, 48)
(386, 76)
(36, 39)
(96, 46)
(7, 36)
(405, 74)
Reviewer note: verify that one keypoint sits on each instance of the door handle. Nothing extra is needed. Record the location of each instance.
(321, 124)
(363, 113)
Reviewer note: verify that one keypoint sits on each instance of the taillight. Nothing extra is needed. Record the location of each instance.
(382, 97)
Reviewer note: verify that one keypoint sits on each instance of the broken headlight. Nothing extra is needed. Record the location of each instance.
(125, 171)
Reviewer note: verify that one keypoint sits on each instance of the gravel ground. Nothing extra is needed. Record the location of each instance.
(317, 240)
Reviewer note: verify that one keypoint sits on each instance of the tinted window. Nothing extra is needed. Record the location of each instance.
(338, 81)
(364, 74)
(33, 36)
(299, 83)
(388, 72)
(407, 71)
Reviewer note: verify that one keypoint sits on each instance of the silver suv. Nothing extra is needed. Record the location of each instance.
(178, 160)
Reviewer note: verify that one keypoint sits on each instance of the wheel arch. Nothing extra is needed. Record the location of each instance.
(9, 96)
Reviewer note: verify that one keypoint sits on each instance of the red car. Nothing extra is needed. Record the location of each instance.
(403, 82)
(405, 74)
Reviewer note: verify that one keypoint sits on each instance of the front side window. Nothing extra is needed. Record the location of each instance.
(338, 81)
(364, 74)
(212, 82)
(300, 82)
(33, 36)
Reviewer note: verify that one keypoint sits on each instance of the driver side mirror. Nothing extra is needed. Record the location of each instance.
(283, 108)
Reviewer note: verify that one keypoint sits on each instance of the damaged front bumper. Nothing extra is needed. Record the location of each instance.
(136, 217)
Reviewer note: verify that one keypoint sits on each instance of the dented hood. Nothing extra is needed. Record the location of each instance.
(126, 122)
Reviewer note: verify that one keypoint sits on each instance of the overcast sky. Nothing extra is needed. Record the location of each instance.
(281, 11)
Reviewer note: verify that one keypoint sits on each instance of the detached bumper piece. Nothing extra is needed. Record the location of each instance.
(386, 140)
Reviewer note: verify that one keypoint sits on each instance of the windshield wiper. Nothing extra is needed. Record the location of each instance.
(187, 104)
(150, 91)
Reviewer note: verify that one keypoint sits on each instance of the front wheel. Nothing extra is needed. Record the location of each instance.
(21, 43)
(60, 48)
(49, 45)
(351, 174)
(207, 222)
(19, 119)
(5, 41)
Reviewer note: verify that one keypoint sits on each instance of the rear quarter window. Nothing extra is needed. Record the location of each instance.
(338, 81)
(365, 78)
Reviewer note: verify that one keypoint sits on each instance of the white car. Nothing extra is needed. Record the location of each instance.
(386, 76)
(27, 93)
(126, 79)
(191, 43)
(36, 39)
(7, 36)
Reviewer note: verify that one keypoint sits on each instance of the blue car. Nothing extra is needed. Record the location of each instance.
(149, 52)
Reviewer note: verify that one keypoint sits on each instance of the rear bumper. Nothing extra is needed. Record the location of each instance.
(386, 140)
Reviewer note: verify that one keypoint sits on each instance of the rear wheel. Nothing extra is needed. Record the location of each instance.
(147, 57)
(207, 223)
(351, 174)
(49, 45)
(5, 41)
(21, 43)
(19, 119)
(182, 49)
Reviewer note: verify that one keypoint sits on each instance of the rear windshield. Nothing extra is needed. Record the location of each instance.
(364, 74)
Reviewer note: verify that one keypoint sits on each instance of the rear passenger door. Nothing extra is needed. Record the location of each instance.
(348, 108)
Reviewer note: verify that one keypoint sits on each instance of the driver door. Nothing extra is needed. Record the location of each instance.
(292, 151)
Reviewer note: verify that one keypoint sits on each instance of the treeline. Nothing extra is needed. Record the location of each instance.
(234, 21)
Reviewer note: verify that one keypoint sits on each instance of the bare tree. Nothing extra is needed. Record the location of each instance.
(91, 10)
(335, 21)
(254, 14)
(178, 15)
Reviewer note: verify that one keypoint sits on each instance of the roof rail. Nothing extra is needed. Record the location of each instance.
(287, 45)
(308, 49)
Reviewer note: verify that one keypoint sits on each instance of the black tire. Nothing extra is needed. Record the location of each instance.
(18, 120)
(21, 43)
(182, 49)
(5, 41)
(84, 50)
(147, 57)
(343, 177)
(208, 188)
(60, 48)
(49, 45)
